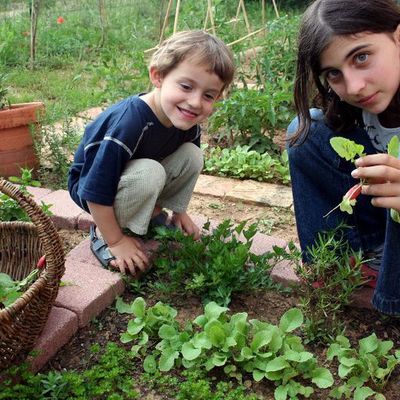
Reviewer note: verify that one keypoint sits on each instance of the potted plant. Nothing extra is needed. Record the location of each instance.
(18, 124)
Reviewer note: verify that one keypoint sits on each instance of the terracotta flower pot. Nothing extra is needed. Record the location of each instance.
(16, 141)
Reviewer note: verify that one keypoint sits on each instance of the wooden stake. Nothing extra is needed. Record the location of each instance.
(165, 21)
(237, 14)
(263, 12)
(103, 22)
(247, 36)
(205, 21)
(246, 20)
(210, 13)
(275, 8)
(178, 3)
(35, 8)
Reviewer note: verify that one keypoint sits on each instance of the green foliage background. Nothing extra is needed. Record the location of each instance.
(99, 55)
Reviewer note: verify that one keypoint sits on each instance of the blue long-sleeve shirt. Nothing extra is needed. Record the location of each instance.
(125, 131)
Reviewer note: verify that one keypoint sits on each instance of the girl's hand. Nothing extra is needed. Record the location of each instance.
(382, 173)
(129, 254)
(185, 223)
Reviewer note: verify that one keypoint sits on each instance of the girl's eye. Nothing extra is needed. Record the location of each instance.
(332, 74)
(361, 58)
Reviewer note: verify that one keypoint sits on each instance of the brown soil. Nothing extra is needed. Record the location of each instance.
(272, 221)
(267, 305)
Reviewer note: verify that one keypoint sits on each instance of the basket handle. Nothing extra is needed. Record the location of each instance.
(48, 235)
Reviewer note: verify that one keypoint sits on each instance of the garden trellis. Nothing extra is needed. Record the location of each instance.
(209, 19)
(39, 19)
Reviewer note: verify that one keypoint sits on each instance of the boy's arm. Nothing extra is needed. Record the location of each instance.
(127, 250)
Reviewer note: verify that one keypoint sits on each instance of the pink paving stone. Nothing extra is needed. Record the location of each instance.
(65, 211)
(94, 288)
(59, 329)
(89, 290)
(283, 272)
(38, 193)
(199, 220)
(82, 254)
(214, 186)
(263, 243)
(84, 221)
(261, 193)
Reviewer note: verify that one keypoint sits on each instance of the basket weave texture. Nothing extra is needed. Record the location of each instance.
(21, 246)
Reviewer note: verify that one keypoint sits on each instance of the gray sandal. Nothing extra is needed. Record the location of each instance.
(100, 248)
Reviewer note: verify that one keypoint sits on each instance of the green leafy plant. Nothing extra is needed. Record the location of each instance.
(56, 145)
(217, 340)
(10, 210)
(393, 149)
(214, 267)
(110, 377)
(4, 102)
(194, 384)
(11, 290)
(371, 364)
(146, 323)
(328, 281)
(346, 148)
(243, 163)
(244, 119)
(349, 150)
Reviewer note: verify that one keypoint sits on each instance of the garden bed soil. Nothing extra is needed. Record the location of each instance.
(266, 305)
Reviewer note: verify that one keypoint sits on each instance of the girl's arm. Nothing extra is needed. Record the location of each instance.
(127, 250)
(382, 173)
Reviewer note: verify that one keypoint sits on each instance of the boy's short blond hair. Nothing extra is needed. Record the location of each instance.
(202, 46)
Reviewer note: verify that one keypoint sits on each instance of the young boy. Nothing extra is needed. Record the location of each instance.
(143, 154)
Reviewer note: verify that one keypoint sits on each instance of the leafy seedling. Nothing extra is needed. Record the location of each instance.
(393, 150)
(369, 365)
(348, 150)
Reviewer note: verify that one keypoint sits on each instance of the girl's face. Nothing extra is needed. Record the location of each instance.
(363, 69)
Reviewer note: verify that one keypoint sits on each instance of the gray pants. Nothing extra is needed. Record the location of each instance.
(146, 183)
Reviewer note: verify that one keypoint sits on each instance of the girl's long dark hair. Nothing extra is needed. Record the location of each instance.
(323, 20)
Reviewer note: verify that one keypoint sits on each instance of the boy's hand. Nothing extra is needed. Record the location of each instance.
(129, 254)
(185, 223)
(382, 173)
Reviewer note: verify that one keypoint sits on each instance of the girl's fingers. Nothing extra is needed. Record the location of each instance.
(378, 159)
(377, 173)
(386, 202)
(382, 190)
(377, 168)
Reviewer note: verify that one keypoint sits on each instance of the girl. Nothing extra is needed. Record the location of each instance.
(349, 68)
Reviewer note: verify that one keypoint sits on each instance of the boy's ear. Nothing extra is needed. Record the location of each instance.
(222, 95)
(155, 77)
(397, 34)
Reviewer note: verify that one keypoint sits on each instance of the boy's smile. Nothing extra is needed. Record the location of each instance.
(364, 69)
(185, 96)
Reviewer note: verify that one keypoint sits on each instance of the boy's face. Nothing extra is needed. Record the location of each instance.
(186, 95)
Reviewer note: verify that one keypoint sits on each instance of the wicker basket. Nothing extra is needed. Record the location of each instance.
(21, 246)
